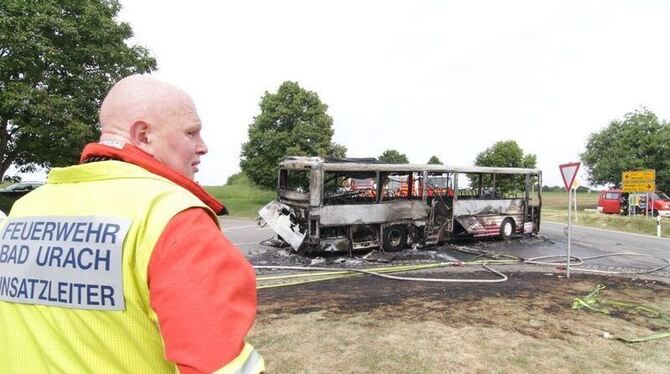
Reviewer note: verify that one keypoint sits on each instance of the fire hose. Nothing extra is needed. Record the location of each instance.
(324, 273)
(561, 259)
(595, 303)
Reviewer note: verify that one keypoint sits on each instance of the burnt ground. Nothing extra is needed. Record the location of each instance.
(519, 304)
(365, 294)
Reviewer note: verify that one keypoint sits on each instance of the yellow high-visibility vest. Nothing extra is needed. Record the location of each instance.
(65, 314)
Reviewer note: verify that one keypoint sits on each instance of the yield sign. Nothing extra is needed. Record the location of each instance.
(569, 172)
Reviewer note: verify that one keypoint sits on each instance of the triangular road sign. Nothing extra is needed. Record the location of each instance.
(569, 172)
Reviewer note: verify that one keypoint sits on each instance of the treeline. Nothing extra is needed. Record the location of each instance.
(562, 189)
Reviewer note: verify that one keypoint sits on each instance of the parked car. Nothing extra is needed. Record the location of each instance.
(618, 202)
(11, 193)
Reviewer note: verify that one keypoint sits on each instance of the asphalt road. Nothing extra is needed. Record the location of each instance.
(609, 240)
(586, 242)
(246, 234)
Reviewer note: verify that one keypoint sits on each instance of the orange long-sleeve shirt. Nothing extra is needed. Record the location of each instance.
(203, 291)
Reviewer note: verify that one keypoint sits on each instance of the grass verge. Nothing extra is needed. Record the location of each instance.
(633, 224)
(242, 200)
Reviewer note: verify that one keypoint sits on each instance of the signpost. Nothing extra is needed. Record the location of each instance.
(569, 172)
(575, 185)
(640, 181)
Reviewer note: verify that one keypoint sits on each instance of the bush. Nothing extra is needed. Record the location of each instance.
(237, 178)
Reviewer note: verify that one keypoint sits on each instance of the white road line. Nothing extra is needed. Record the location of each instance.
(612, 231)
(246, 243)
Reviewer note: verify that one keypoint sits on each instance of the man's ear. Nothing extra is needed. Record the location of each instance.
(140, 136)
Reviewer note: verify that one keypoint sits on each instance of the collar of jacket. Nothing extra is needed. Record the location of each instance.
(131, 154)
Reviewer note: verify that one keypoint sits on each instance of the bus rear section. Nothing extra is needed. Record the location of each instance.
(345, 206)
(497, 202)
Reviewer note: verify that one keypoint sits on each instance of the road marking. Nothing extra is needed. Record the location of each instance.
(612, 231)
(246, 243)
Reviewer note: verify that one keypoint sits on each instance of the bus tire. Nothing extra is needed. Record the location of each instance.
(506, 228)
(394, 238)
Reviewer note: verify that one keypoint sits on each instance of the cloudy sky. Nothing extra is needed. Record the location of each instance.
(448, 78)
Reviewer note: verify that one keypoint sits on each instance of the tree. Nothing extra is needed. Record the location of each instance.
(292, 122)
(57, 61)
(391, 156)
(505, 154)
(639, 141)
(434, 160)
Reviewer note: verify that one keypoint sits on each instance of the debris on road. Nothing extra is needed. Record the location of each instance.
(379, 256)
(275, 242)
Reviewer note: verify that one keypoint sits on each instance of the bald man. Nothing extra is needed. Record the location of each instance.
(118, 264)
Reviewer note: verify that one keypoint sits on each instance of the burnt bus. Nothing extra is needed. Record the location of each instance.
(345, 205)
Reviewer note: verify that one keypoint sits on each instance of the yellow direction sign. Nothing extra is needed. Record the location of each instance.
(639, 187)
(639, 176)
(639, 180)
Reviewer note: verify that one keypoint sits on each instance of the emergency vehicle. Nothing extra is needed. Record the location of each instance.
(616, 201)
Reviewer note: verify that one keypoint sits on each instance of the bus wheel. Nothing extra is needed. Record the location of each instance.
(506, 229)
(395, 238)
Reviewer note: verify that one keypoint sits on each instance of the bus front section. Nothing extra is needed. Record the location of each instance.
(288, 214)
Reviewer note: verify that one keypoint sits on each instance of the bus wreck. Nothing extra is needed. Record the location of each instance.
(345, 205)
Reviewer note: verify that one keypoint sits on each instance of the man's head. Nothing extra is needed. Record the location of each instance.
(156, 117)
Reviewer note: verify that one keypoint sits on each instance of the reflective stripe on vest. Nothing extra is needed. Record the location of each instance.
(53, 338)
(249, 361)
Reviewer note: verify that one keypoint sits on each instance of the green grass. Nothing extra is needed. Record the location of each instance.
(634, 224)
(559, 200)
(242, 199)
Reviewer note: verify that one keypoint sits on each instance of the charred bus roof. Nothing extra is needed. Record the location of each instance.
(371, 164)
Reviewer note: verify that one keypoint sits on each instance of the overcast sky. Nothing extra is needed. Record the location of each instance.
(448, 78)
